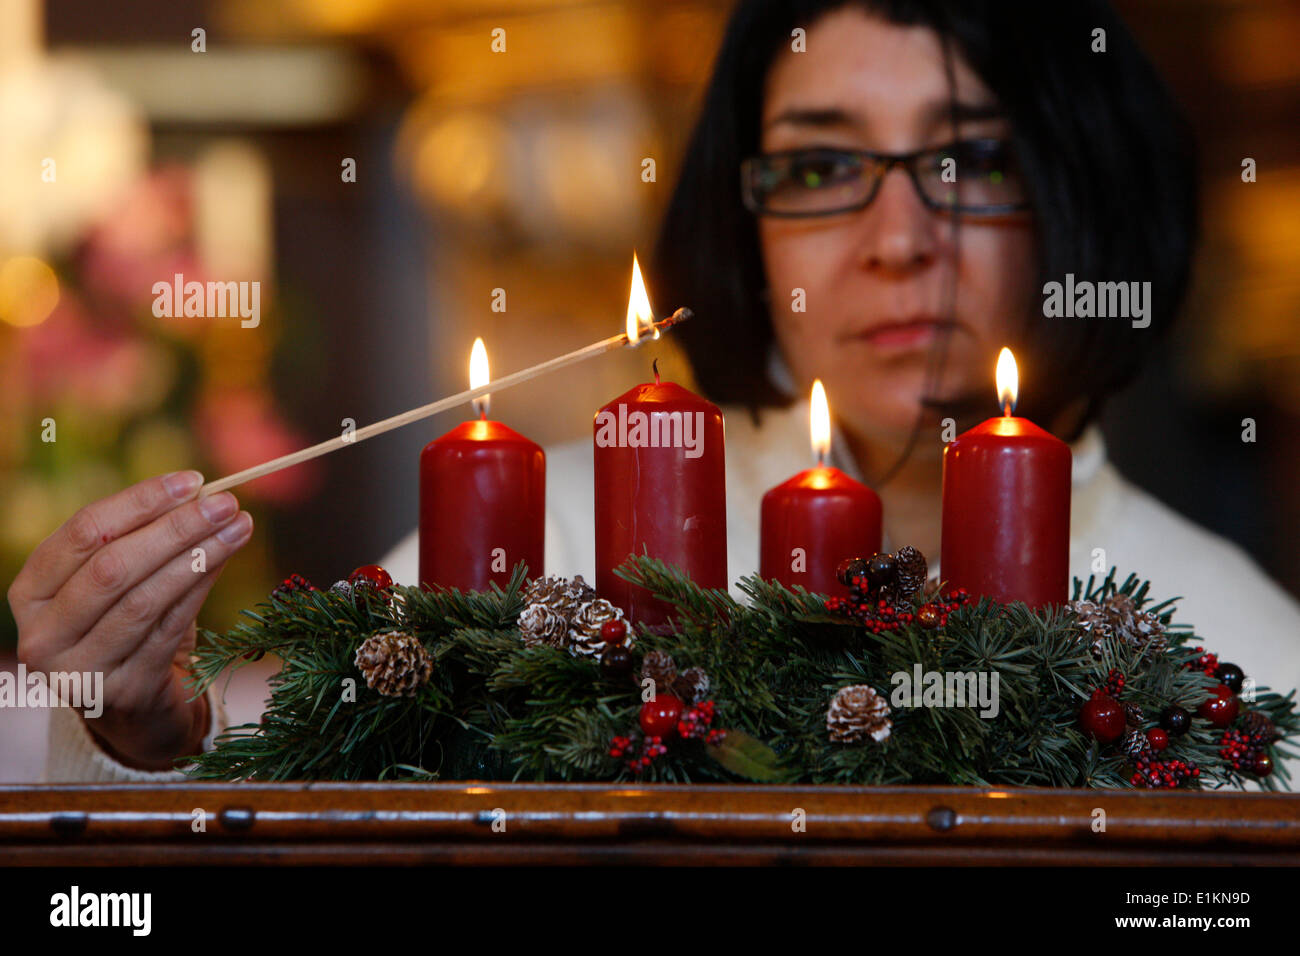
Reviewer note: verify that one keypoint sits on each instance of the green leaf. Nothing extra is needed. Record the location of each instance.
(747, 757)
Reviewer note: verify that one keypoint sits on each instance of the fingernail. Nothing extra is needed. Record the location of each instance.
(236, 529)
(219, 507)
(181, 484)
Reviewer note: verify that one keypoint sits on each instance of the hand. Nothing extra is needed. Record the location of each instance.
(114, 591)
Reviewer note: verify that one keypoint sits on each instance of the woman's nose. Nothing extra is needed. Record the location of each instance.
(897, 229)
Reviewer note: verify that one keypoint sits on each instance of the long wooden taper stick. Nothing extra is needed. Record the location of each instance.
(442, 405)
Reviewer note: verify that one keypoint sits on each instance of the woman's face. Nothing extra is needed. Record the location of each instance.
(878, 283)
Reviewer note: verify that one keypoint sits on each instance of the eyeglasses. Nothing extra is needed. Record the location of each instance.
(977, 177)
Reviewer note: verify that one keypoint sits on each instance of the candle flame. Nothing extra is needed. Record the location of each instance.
(479, 375)
(820, 422)
(638, 305)
(1008, 379)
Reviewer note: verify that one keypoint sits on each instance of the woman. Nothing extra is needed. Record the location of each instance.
(913, 172)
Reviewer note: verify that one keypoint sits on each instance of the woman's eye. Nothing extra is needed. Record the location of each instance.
(982, 157)
(814, 172)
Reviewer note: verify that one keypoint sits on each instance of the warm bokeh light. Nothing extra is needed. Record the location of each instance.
(29, 291)
(1008, 378)
(479, 375)
(820, 422)
(638, 304)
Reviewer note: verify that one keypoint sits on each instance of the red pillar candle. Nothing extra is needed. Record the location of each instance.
(482, 500)
(660, 484)
(812, 522)
(1006, 507)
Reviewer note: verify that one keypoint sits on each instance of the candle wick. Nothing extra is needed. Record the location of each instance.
(1006, 409)
(821, 458)
(655, 365)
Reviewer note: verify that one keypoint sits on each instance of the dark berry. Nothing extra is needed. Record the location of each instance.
(1176, 721)
(616, 661)
(850, 568)
(881, 569)
(1231, 676)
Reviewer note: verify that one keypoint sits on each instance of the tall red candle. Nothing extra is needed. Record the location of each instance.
(482, 502)
(1006, 507)
(813, 521)
(657, 494)
(660, 484)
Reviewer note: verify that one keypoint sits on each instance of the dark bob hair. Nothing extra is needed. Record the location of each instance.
(1106, 151)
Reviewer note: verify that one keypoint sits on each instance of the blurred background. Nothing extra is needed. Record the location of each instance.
(477, 171)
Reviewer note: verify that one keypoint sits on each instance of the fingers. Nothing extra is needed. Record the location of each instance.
(156, 653)
(59, 556)
(148, 611)
(118, 582)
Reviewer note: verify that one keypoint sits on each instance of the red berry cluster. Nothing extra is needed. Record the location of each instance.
(1246, 752)
(697, 722)
(1238, 749)
(1163, 774)
(878, 614)
(294, 582)
(1206, 662)
(1113, 687)
(638, 751)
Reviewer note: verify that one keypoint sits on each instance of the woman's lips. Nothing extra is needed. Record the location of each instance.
(903, 336)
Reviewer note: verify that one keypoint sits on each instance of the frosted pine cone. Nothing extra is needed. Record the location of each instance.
(691, 685)
(584, 628)
(856, 713)
(558, 593)
(911, 572)
(579, 591)
(659, 667)
(1136, 745)
(1134, 715)
(394, 664)
(1139, 629)
(1094, 621)
(540, 623)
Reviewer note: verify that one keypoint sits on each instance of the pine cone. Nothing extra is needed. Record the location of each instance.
(1258, 725)
(1139, 629)
(857, 712)
(558, 593)
(1094, 621)
(691, 686)
(911, 572)
(584, 627)
(659, 667)
(539, 623)
(1133, 715)
(1136, 744)
(394, 664)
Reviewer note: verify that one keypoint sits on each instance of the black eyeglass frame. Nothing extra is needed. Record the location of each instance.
(884, 163)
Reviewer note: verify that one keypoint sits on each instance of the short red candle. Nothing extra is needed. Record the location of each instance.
(660, 488)
(818, 518)
(1006, 512)
(482, 506)
(811, 523)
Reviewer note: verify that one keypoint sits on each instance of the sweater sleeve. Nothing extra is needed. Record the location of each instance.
(75, 757)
